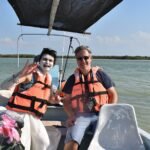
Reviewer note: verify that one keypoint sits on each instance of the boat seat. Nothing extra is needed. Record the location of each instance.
(117, 129)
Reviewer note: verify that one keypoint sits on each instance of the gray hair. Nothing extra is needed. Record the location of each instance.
(82, 47)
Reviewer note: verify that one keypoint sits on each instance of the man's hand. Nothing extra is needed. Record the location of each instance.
(70, 121)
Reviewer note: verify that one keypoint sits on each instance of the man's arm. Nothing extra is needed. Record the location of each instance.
(109, 85)
(68, 109)
(113, 96)
(67, 105)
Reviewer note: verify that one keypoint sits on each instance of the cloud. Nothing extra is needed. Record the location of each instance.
(140, 40)
(143, 35)
(125, 44)
(6, 41)
(7, 44)
(111, 40)
(137, 43)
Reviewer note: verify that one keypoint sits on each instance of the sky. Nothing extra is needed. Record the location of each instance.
(125, 30)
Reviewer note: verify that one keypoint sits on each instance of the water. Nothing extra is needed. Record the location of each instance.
(130, 76)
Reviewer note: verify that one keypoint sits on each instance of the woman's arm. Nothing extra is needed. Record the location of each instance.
(10, 83)
(23, 76)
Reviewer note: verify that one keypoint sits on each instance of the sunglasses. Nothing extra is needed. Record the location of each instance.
(83, 58)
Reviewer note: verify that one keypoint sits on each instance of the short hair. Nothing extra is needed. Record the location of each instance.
(82, 47)
(48, 51)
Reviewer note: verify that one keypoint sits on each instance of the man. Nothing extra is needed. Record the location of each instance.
(85, 92)
(32, 91)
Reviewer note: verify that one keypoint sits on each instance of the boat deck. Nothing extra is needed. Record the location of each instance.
(60, 125)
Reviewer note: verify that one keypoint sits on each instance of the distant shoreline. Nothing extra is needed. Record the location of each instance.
(95, 57)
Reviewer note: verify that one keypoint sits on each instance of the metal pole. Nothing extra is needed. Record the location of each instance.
(70, 46)
(53, 11)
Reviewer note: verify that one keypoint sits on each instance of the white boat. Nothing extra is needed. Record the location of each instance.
(55, 18)
(119, 137)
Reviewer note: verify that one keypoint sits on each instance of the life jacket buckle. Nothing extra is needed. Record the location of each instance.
(33, 98)
(42, 104)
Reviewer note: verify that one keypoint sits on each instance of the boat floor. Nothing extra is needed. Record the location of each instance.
(60, 125)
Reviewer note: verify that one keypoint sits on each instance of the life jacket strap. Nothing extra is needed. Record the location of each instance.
(33, 99)
(91, 94)
(30, 109)
(45, 85)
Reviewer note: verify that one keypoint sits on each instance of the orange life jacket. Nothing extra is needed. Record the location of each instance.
(95, 89)
(34, 100)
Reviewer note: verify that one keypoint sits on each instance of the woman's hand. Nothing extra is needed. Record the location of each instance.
(27, 70)
(20, 77)
(56, 99)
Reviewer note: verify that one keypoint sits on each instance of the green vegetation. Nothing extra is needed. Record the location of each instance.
(95, 57)
(15, 55)
(123, 57)
(119, 57)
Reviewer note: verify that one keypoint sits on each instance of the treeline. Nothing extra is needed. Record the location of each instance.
(123, 57)
(15, 55)
(95, 57)
(118, 57)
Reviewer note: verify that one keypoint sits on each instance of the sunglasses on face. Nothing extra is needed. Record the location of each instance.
(83, 58)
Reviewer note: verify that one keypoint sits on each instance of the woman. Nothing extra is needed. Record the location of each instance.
(32, 93)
